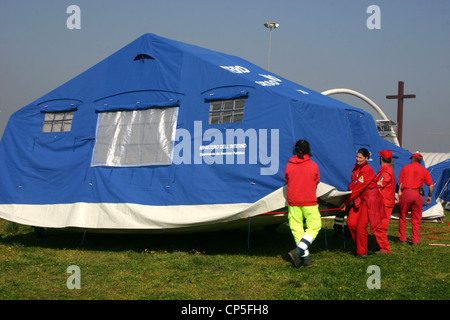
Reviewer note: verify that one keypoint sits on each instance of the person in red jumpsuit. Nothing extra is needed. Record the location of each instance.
(365, 203)
(411, 180)
(386, 184)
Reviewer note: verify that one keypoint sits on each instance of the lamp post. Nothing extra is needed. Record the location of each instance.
(270, 26)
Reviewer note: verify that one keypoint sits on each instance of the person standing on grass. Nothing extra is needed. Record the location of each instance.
(386, 184)
(365, 203)
(302, 177)
(411, 180)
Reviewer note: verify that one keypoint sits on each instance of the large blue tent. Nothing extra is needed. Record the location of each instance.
(167, 135)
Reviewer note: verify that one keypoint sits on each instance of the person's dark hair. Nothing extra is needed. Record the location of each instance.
(301, 148)
(415, 159)
(387, 160)
(364, 152)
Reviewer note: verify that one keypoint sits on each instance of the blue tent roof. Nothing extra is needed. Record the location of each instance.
(45, 169)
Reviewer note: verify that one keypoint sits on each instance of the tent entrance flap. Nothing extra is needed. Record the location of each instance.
(132, 138)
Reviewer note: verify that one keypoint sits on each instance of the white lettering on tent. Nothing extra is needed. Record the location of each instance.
(302, 91)
(73, 21)
(374, 21)
(236, 69)
(273, 81)
(374, 281)
(231, 149)
(264, 157)
(74, 281)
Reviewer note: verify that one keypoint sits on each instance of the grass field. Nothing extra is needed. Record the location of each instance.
(247, 264)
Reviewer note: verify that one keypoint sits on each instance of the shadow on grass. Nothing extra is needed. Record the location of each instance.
(271, 240)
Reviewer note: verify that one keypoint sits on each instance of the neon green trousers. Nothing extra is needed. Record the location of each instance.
(311, 216)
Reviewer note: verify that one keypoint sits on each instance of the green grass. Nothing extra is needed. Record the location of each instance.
(225, 265)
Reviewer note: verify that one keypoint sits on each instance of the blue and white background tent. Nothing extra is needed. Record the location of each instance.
(440, 173)
(164, 135)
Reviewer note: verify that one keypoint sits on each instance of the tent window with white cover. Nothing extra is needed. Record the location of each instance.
(58, 121)
(226, 111)
(131, 138)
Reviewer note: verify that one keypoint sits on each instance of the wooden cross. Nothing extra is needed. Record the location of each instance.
(400, 96)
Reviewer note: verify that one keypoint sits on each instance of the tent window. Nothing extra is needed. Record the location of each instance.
(226, 111)
(135, 138)
(58, 121)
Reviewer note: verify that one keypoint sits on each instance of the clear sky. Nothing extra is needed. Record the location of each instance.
(320, 44)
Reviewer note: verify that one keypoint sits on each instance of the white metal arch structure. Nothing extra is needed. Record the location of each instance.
(359, 95)
(384, 119)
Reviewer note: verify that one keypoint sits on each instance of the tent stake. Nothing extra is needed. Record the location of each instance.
(248, 233)
(84, 234)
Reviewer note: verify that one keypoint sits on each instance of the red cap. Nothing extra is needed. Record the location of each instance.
(385, 154)
(417, 155)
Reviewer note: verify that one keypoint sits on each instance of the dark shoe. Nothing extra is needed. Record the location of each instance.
(307, 262)
(414, 244)
(401, 242)
(361, 256)
(381, 252)
(295, 256)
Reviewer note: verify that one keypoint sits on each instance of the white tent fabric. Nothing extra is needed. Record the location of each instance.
(432, 158)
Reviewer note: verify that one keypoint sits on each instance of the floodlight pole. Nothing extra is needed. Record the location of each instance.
(270, 40)
(270, 26)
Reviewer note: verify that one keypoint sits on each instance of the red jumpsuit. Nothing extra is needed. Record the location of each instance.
(367, 205)
(412, 176)
(386, 184)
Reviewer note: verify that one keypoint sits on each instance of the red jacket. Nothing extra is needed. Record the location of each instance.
(386, 184)
(302, 177)
(413, 176)
(362, 178)
(365, 194)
